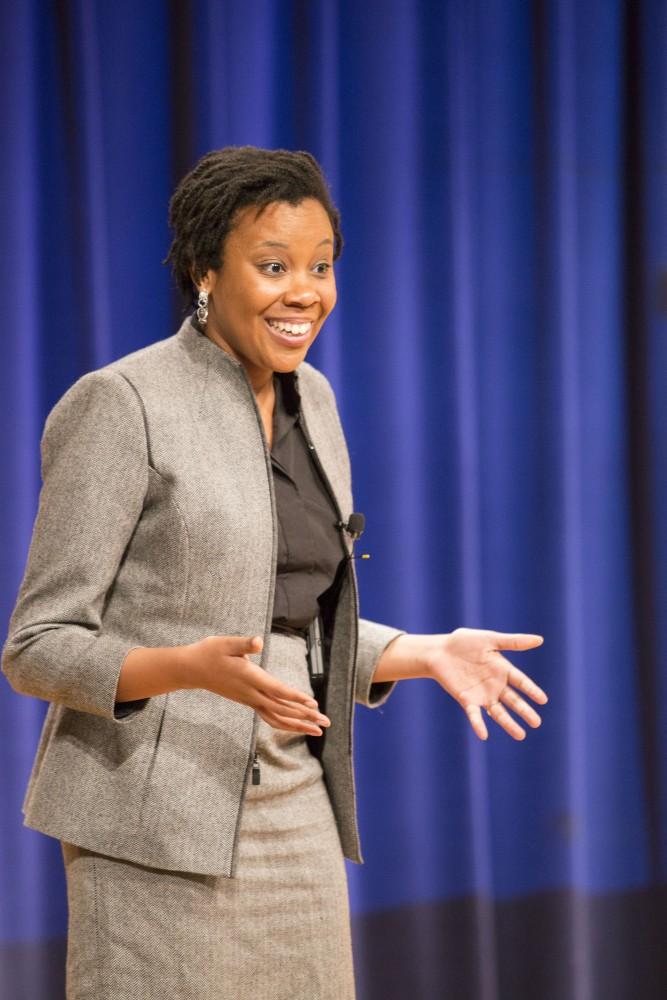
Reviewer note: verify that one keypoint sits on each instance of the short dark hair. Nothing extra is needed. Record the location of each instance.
(204, 206)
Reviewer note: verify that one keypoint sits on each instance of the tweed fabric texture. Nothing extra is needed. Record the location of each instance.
(156, 527)
(279, 930)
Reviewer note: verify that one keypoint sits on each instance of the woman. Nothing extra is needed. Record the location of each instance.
(193, 536)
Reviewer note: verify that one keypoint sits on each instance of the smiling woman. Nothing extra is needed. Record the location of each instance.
(192, 617)
(281, 287)
(268, 303)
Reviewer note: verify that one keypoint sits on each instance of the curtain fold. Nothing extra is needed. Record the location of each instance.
(499, 357)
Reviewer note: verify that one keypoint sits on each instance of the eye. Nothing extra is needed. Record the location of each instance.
(323, 267)
(272, 267)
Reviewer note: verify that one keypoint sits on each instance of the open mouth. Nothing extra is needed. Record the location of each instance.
(293, 334)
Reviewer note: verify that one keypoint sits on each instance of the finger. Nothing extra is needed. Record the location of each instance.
(285, 707)
(242, 645)
(516, 640)
(277, 721)
(505, 721)
(521, 707)
(526, 686)
(476, 721)
(272, 688)
(293, 711)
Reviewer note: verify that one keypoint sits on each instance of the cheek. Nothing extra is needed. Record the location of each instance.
(245, 294)
(262, 298)
(331, 299)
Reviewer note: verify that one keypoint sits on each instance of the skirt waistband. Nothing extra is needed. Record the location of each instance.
(296, 633)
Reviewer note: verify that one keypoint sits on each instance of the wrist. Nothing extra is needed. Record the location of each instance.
(183, 667)
(424, 651)
(407, 657)
(148, 671)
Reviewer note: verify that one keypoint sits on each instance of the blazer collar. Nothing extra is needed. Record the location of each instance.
(203, 351)
(298, 394)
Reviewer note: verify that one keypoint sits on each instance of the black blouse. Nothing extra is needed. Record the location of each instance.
(310, 548)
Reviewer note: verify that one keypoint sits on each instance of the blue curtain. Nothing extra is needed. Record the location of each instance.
(499, 353)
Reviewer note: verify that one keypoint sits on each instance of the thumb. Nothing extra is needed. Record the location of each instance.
(517, 640)
(242, 645)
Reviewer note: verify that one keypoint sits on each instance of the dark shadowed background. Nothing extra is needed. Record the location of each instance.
(499, 353)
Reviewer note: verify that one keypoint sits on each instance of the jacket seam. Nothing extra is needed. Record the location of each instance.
(142, 408)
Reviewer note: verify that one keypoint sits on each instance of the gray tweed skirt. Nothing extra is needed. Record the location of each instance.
(279, 930)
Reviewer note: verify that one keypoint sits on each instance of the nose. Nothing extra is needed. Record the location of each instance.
(302, 291)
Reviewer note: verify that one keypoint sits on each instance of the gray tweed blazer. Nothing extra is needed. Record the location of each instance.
(157, 527)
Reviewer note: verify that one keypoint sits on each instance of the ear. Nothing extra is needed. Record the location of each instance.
(203, 282)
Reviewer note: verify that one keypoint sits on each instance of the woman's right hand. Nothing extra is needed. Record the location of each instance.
(222, 664)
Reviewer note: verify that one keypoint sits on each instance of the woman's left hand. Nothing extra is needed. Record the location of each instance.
(469, 665)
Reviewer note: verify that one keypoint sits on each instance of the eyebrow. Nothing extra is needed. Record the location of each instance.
(285, 246)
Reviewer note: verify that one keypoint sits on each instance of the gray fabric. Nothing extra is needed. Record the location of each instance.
(279, 930)
(156, 527)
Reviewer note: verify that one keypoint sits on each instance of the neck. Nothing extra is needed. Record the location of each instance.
(262, 385)
(261, 379)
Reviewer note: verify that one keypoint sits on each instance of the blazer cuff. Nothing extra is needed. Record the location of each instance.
(91, 680)
(126, 709)
(373, 640)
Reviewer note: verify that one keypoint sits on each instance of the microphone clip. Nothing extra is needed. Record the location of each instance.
(354, 527)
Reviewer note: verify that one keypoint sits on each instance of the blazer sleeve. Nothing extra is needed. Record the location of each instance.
(95, 477)
(373, 639)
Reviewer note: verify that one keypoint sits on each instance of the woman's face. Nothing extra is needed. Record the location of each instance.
(275, 288)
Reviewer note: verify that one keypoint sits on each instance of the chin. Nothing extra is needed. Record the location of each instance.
(288, 365)
(289, 361)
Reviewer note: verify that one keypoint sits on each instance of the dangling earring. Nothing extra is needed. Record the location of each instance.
(202, 307)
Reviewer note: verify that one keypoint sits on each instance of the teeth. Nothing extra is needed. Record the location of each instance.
(295, 329)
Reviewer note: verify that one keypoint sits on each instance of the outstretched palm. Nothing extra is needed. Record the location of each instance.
(468, 664)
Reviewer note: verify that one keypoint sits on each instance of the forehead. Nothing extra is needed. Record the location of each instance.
(281, 222)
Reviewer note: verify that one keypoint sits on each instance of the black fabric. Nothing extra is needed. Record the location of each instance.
(309, 543)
